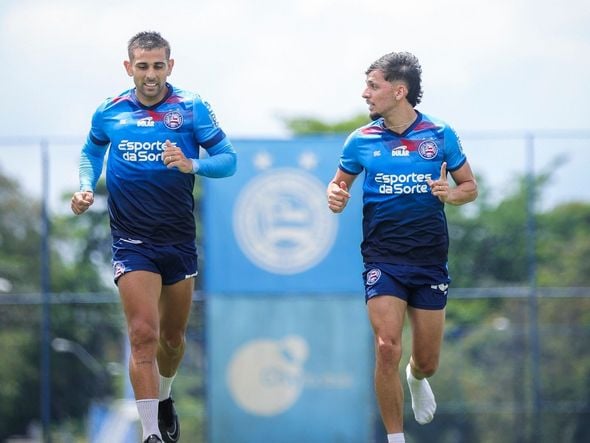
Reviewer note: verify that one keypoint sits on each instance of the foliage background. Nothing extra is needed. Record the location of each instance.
(486, 376)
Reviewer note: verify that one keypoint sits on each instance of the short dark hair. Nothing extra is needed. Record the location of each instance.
(148, 40)
(401, 66)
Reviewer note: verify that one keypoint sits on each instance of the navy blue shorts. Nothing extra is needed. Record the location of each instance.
(422, 287)
(173, 262)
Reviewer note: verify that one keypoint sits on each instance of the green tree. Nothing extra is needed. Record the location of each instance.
(312, 126)
(84, 247)
(76, 257)
(563, 245)
(19, 238)
(488, 241)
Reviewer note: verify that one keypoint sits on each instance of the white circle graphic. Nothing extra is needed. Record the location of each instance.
(265, 377)
(282, 222)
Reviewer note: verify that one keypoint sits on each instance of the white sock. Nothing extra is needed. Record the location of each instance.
(396, 438)
(165, 387)
(423, 403)
(148, 415)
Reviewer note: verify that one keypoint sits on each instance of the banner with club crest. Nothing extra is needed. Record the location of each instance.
(288, 341)
(268, 228)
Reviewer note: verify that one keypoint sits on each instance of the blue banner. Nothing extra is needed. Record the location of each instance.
(289, 369)
(288, 341)
(268, 228)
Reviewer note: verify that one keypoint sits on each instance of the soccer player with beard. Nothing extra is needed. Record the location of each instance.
(153, 134)
(405, 156)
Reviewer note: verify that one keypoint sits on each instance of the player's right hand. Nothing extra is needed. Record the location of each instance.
(338, 196)
(81, 201)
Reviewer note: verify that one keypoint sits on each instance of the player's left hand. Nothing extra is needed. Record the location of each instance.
(440, 187)
(174, 158)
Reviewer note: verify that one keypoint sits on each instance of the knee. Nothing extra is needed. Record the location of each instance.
(142, 335)
(172, 343)
(425, 368)
(388, 353)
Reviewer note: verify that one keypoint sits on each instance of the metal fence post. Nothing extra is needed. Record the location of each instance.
(45, 291)
(533, 309)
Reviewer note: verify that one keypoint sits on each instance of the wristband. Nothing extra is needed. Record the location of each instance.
(195, 165)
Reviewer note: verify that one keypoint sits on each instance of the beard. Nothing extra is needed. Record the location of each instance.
(374, 116)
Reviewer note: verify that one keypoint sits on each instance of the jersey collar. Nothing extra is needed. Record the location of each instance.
(381, 123)
(141, 105)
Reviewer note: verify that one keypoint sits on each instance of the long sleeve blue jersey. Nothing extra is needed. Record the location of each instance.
(148, 201)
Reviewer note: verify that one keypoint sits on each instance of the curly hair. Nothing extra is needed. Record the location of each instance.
(401, 66)
(147, 40)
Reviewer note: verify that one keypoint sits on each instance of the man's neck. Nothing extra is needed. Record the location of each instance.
(148, 101)
(401, 120)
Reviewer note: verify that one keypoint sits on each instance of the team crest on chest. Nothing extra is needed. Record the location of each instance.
(173, 120)
(428, 149)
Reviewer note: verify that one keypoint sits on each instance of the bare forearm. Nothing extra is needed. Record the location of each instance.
(463, 193)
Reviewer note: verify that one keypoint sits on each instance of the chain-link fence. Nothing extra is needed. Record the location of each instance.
(486, 387)
(515, 364)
